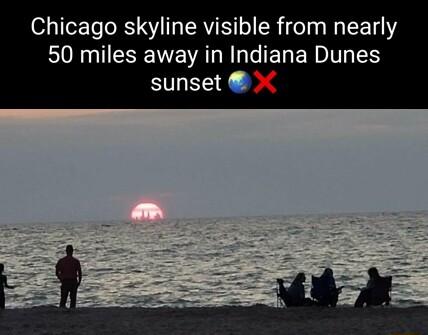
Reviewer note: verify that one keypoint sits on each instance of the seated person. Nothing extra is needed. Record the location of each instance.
(324, 289)
(377, 290)
(296, 292)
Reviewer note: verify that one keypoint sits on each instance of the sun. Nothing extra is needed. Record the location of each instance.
(147, 211)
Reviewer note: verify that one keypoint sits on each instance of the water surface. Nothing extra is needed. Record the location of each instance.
(211, 262)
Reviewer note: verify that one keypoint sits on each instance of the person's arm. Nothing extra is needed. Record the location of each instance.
(58, 271)
(6, 285)
(79, 273)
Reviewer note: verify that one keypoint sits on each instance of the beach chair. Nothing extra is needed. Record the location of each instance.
(318, 289)
(381, 294)
(279, 302)
(281, 294)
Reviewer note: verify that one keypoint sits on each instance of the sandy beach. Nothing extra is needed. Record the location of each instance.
(221, 320)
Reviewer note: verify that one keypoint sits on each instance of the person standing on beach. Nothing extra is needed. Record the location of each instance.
(69, 273)
(3, 285)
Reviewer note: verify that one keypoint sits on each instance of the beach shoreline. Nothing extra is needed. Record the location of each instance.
(258, 319)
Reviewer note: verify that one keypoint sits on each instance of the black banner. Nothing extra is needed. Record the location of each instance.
(55, 58)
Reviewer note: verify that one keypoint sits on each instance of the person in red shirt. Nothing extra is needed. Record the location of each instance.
(69, 273)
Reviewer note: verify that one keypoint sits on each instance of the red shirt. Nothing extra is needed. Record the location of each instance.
(68, 268)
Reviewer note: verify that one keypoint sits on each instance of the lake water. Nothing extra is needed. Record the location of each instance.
(212, 262)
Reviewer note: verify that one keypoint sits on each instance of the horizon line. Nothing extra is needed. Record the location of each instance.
(222, 217)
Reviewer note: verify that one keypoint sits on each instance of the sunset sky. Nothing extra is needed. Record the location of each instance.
(72, 165)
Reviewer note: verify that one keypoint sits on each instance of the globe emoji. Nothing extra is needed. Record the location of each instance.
(240, 82)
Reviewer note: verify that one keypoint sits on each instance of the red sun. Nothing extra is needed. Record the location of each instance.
(147, 212)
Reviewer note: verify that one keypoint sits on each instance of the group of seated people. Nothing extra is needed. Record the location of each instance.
(325, 293)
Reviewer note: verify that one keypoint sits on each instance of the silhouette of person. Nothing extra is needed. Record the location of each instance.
(296, 292)
(69, 273)
(374, 283)
(3, 285)
(327, 293)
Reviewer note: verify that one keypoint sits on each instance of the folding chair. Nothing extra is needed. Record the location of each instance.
(382, 292)
(281, 293)
(318, 289)
(279, 302)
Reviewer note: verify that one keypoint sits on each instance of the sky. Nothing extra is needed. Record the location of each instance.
(77, 165)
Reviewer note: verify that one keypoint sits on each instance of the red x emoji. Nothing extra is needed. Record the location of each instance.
(265, 81)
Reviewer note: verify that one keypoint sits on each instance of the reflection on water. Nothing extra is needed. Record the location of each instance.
(206, 262)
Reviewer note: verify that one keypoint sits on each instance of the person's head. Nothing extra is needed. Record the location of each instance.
(373, 273)
(69, 250)
(280, 281)
(328, 272)
(1, 268)
(300, 277)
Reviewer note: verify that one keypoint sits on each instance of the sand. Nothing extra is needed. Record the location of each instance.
(221, 320)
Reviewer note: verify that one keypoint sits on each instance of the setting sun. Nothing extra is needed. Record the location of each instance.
(147, 212)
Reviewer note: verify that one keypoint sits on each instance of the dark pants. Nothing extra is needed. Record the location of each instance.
(68, 286)
(2, 300)
(363, 298)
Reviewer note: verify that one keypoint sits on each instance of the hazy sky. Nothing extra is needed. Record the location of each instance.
(91, 165)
